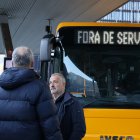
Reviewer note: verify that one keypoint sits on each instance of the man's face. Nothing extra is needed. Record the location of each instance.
(57, 86)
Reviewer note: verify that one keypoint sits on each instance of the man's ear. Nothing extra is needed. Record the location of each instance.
(31, 64)
(12, 64)
(64, 84)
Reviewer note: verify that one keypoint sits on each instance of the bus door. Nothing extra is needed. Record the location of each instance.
(103, 69)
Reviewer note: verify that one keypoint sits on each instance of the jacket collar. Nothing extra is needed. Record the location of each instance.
(67, 98)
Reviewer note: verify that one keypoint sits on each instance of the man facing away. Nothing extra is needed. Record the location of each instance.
(71, 116)
(27, 111)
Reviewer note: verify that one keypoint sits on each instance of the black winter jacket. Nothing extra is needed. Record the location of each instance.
(71, 117)
(27, 111)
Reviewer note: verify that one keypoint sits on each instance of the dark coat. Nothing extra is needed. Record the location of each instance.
(71, 117)
(27, 111)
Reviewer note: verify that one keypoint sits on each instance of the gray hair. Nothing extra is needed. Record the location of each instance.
(22, 57)
(60, 75)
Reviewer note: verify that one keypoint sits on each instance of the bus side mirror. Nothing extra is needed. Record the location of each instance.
(45, 49)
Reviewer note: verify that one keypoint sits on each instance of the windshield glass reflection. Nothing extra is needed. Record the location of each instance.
(80, 85)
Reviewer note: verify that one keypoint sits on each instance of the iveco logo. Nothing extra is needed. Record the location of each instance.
(116, 138)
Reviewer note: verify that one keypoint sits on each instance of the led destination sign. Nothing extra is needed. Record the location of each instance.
(100, 36)
(108, 37)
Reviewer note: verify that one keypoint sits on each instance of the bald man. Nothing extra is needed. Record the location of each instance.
(27, 110)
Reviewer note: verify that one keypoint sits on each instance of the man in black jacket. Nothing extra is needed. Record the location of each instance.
(27, 110)
(71, 116)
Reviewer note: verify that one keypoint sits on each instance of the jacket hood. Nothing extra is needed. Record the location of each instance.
(15, 77)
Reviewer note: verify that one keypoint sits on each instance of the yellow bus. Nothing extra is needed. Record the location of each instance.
(101, 62)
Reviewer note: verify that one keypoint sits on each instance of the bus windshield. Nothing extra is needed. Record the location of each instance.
(103, 63)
